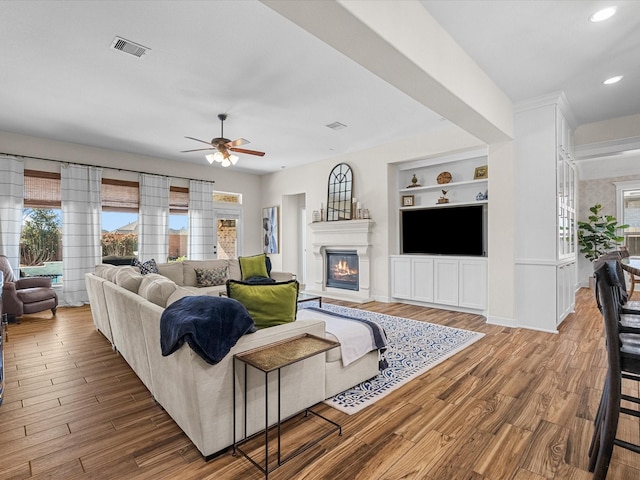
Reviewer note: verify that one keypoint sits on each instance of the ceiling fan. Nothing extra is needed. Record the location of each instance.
(223, 147)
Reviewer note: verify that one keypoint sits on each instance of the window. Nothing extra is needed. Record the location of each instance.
(178, 222)
(228, 232)
(41, 236)
(119, 220)
(628, 212)
(227, 197)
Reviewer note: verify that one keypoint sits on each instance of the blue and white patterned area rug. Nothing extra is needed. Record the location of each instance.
(413, 348)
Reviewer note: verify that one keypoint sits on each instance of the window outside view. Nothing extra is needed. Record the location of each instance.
(41, 243)
(631, 216)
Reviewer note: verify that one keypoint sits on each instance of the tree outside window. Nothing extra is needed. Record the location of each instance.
(41, 235)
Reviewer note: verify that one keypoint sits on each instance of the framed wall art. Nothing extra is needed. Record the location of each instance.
(407, 200)
(481, 172)
(271, 229)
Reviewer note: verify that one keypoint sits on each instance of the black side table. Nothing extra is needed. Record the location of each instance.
(274, 357)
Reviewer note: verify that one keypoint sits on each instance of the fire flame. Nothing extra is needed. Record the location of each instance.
(341, 269)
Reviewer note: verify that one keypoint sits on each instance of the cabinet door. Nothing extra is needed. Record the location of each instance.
(401, 277)
(565, 290)
(446, 281)
(422, 279)
(473, 284)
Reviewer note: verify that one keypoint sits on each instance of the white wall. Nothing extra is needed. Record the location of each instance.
(612, 139)
(373, 187)
(226, 180)
(590, 192)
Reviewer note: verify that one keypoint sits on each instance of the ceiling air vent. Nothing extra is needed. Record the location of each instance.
(129, 47)
(336, 126)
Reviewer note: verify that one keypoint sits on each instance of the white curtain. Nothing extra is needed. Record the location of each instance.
(201, 221)
(153, 226)
(81, 235)
(11, 208)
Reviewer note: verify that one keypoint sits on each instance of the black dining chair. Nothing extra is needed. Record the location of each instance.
(623, 355)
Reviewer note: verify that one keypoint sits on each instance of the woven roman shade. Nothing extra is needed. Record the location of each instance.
(41, 189)
(120, 196)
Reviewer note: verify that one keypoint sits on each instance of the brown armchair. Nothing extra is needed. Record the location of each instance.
(25, 295)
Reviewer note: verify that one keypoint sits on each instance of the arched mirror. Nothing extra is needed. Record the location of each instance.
(340, 192)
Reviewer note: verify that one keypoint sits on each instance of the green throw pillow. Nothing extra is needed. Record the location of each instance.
(255, 266)
(269, 304)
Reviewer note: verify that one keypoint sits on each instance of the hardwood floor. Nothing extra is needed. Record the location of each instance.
(517, 404)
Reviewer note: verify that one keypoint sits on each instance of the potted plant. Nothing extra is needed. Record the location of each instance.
(600, 234)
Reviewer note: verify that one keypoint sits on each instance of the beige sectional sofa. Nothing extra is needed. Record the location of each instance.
(127, 306)
(184, 273)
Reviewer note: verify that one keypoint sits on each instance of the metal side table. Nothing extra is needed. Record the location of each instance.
(269, 358)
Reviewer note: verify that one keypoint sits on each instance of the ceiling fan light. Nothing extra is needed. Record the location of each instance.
(233, 159)
(218, 157)
(226, 162)
(210, 158)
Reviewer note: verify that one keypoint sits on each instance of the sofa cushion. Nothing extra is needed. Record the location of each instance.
(147, 267)
(234, 269)
(178, 293)
(108, 272)
(128, 278)
(254, 266)
(157, 289)
(189, 269)
(210, 277)
(268, 304)
(99, 269)
(173, 271)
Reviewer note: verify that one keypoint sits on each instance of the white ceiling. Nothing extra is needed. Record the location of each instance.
(280, 86)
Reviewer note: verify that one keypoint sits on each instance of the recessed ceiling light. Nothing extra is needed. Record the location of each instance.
(602, 15)
(612, 80)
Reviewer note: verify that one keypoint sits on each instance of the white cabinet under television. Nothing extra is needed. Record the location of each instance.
(451, 282)
(425, 272)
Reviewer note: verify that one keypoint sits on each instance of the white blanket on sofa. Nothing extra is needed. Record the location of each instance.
(355, 338)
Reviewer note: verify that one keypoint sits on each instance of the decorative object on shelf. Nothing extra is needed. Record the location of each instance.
(481, 172)
(407, 200)
(354, 209)
(443, 198)
(365, 213)
(444, 177)
(414, 182)
(482, 196)
(316, 216)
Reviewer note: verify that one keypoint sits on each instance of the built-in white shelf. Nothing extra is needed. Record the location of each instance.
(442, 205)
(439, 186)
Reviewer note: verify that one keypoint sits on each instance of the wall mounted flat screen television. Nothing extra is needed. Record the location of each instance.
(452, 230)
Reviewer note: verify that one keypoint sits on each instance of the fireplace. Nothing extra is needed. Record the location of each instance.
(342, 269)
(347, 236)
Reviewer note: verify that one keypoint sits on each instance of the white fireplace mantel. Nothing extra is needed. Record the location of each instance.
(342, 235)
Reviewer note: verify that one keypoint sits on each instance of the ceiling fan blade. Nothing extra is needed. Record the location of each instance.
(198, 140)
(198, 150)
(249, 152)
(238, 142)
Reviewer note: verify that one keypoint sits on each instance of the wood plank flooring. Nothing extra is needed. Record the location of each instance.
(517, 404)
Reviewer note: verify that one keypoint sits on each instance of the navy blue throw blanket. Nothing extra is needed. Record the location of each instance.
(210, 325)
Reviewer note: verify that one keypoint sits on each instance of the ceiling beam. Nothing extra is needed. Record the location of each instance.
(403, 44)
